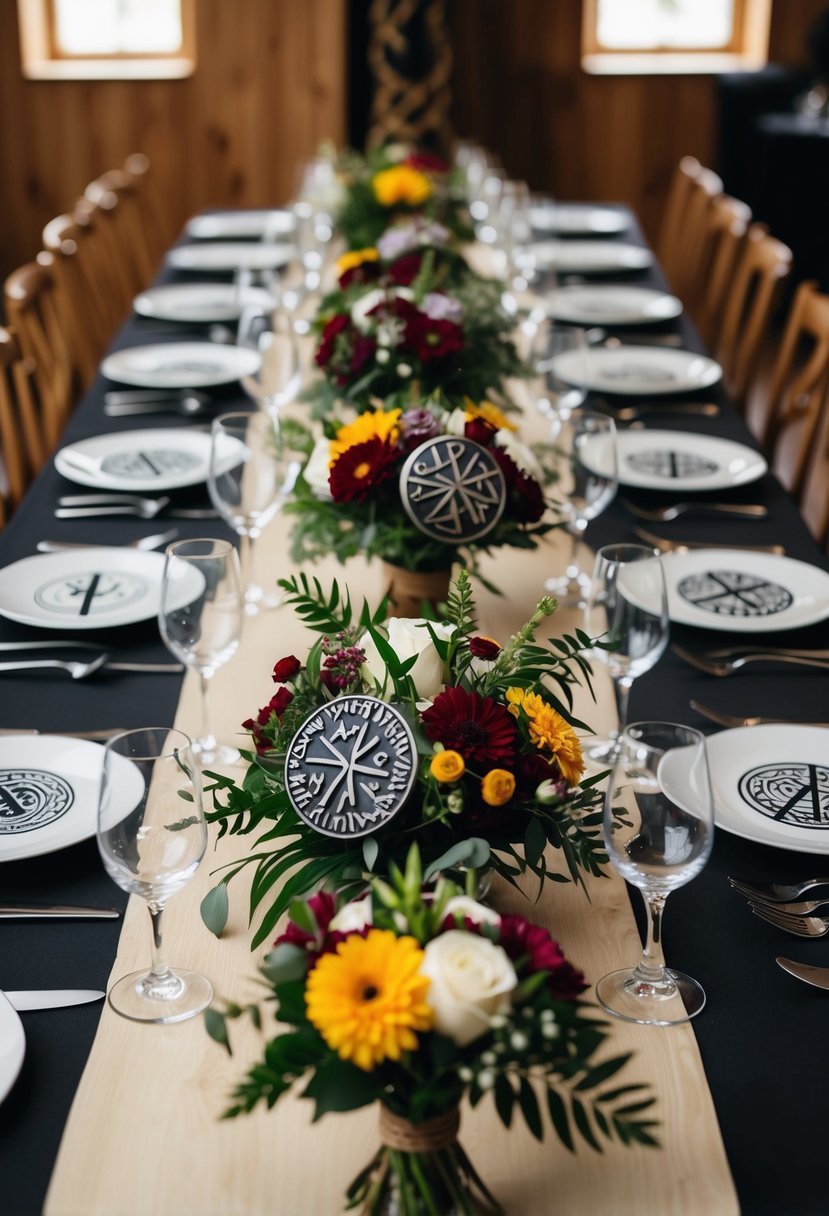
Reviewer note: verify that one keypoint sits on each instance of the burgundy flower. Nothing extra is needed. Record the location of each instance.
(522, 939)
(286, 669)
(430, 339)
(366, 272)
(484, 648)
(324, 908)
(332, 329)
(525, 499)
(417, 426)
(360, 468)
(364, 349)
(278, 703)
(426, 162)
(479, 431)
(404, 270)
(534, 768)
(480, 729)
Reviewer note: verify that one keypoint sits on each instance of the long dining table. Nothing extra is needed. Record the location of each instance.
(143, 1135)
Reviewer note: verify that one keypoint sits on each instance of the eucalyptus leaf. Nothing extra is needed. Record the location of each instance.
(214, 909)
(285, 963)
(370, 850)
(472, 853)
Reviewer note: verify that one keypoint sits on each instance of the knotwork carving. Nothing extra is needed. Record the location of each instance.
(411, 59)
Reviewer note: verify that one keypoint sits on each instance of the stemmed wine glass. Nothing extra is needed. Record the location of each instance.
(151, 841)
(268, 331)
(200, 618)
(252, 471)
(584, 457)
(627, 610)
(659, 829)
(556, 348)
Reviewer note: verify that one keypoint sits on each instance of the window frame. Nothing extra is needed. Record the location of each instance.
(746, 50)
(41, 57)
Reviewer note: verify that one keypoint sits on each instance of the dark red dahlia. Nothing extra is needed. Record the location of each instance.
(360, 468)
(364, 349)
(366, 272)
(480, 729)
(286, 669)
(522, 939)
(405, 269)
(333, 328)
(430, 339)
(525, 499)
(479, 431)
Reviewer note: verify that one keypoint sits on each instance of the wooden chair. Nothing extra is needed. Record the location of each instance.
(158, 224)
(814, 501)
(113, 272)
(669, 243)
(786, 419)
(32, 309)
(682, 246)
(83, 292)
(21, 443)
(757, 278)
(135, 244)
(727, 224)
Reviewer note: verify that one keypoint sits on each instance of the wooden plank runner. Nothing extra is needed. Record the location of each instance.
(144, 1134)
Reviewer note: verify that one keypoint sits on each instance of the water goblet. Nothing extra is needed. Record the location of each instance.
(584, 460)
(561, 357)
(270, 333)
(200, 618)
(252, 470)
(658, 829)
(627, 609)
(151, 841)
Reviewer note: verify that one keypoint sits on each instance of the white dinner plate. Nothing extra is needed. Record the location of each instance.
(590, 257)
(236, 225)
(12, 1046)
(606, 304)
(230, 255)
(49, 789)
(138, 461)
(685, 461)
(770, 785)
(744, 592)
(577, 219)
(180, 364)
(200, 302)
(87, 588)
(638, 371)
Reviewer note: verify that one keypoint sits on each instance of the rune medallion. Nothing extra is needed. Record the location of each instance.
(453, 489)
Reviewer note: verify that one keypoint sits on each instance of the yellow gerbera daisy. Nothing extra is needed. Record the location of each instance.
(369, 998)
(401, 184)
(490, 413)
(377, 424)
(549, 731)
(356, 257)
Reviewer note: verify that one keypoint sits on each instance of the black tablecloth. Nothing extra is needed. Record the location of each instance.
(763, 1036)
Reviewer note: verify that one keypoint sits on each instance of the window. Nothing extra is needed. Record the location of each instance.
(106, 39)
(648, 36)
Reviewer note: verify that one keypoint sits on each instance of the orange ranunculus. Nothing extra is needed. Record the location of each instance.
(401, 184)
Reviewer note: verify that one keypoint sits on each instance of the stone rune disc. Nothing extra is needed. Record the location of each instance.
(453, 489)
(351, 766)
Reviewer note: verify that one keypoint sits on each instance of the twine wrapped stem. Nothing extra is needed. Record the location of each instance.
(427, 1137)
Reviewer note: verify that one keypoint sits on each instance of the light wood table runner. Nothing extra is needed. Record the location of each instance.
(144, 1136)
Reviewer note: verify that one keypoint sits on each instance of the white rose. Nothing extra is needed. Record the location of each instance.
(456, 422)
(472, 982)
(470, 909)
(352, 917)
(410, 636)
(318, 467)
(520, 453)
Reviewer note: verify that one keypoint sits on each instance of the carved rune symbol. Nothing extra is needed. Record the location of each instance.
(734, 593)
(452, 489)
(794, 793)
(350, 766)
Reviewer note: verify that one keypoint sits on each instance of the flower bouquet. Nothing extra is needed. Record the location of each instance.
(417, 999)
(404, 731)
(394, 183)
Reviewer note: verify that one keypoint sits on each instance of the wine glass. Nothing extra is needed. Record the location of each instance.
(659, 829)
(558, 349)
(252, 471)
(200, 618)
(584, 460)
(269, 332)
(627, 610)
(151, 841)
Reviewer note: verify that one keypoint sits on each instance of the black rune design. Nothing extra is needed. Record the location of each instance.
(453, 489)
(735, 594)
(351, 766)
(31, 799)
(664, 462)
(794, 793)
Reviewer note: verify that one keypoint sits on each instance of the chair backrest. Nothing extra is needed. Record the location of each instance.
(689, 264)
(81, 292)
(21, 446)
(787, 418)
(727, 224)
(32, 308)
(127, 223)
(762, 265)
(155, 218)
(669, 243)
(814, 500)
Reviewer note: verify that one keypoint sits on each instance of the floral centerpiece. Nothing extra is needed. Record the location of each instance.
(416, 999)
(394, 183)
(349, 498)
(493, 765)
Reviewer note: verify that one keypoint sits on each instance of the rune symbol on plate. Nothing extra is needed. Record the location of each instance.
(453, 489)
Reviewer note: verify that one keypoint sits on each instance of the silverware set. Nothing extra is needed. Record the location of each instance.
(78, 669)
(88, 506)
(669, 546)
(736, 720)
(727, 661)
(669, 513)
(126, 404)
(780, 904)
(144, 544)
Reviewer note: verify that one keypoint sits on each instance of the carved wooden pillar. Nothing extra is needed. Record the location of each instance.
(411, 60)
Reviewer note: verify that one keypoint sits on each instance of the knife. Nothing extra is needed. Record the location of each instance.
(818, 977)
(56, 912)
(51, 998)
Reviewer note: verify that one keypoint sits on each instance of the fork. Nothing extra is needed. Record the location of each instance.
(734, 720)
(629, 413)
(76, 669)
(666, 514)
(143, 544)
(800, 926)
(190, 405)
(87, 506)
(776, 892)
(728, 666)
(669, 546)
